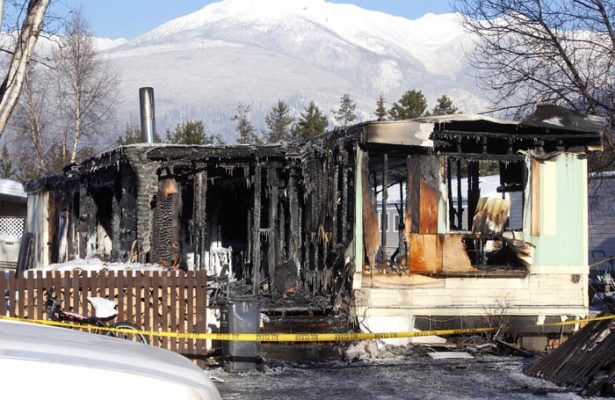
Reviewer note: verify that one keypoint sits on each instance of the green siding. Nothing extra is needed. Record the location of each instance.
(566, 246)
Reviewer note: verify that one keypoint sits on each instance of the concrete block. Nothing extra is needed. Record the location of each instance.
(534, 343)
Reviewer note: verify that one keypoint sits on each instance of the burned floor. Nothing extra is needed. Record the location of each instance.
(301, 227)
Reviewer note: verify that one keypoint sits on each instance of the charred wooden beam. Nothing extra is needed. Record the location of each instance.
(473, 190)
(335, 190)
(256, 229)
(345, 223)
(295, 219)
(413, 201)
(199, 217)
(385, 195)
(128, 216)
(459, 198)
(371, 231)
(273, 257)
(87, 222)
(283, 238)
(116, 245)
(233, 154)
(553, 135)
(449, 185)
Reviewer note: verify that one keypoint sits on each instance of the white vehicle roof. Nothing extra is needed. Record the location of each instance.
(47, 362)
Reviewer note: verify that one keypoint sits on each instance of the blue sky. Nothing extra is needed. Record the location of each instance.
(129, 18)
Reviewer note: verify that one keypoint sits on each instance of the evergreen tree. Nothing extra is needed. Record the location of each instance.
(6, 165)
(381, 111)
(245, 129)
(444, 107)
(132, 135)
(312, 123)
(345, 114)
(279, 122)
(411, 105)
(192, 132)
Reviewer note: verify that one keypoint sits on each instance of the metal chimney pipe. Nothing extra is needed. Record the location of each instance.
(148, 114)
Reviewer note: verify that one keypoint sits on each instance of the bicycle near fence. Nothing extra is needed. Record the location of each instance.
(104, 311)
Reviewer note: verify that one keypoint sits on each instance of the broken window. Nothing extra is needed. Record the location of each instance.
(486, 202)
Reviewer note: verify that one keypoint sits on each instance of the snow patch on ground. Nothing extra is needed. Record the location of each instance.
(96, 264)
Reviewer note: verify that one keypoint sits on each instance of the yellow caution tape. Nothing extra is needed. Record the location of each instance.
(602, 261)
(290, 337)
(579, 321)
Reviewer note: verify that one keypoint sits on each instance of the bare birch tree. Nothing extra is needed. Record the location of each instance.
(86, 87)
(31, 121)
(63, 104)
(556, 51)
(24, 48)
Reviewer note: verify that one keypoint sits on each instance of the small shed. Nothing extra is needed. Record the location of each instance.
(13, 211)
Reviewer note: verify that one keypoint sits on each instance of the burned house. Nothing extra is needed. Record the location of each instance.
(295, 225)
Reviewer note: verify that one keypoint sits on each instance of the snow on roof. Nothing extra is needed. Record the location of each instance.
(96, 264)
(465, 117)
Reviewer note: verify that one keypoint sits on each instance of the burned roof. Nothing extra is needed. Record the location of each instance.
(549, 129)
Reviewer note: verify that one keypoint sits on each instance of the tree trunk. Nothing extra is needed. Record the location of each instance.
(1, 12)
(77, 134)
(9, 91)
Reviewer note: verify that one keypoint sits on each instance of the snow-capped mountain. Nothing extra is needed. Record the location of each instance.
(204, 64)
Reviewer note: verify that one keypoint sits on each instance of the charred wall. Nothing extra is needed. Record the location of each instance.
(275, 220)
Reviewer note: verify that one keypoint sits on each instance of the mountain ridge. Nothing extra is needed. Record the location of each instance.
(202, 65)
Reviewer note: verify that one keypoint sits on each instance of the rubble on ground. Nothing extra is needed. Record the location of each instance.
(586, 361)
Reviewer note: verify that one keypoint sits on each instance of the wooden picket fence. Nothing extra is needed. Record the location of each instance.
(157, 301)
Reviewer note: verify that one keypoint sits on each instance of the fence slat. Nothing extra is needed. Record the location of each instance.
(56, 282)
(121, 296)
(4, 280)
(191, 297)
(40, 293)
(137, 289)
(112, 285)
(21, 302)
(85, 289)
(65, 298)
(174, 320)
(156, 306)
(12, 305)
(164, 320)
(183, 343)
(129, 296)
(30, 289)
(77, 303)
